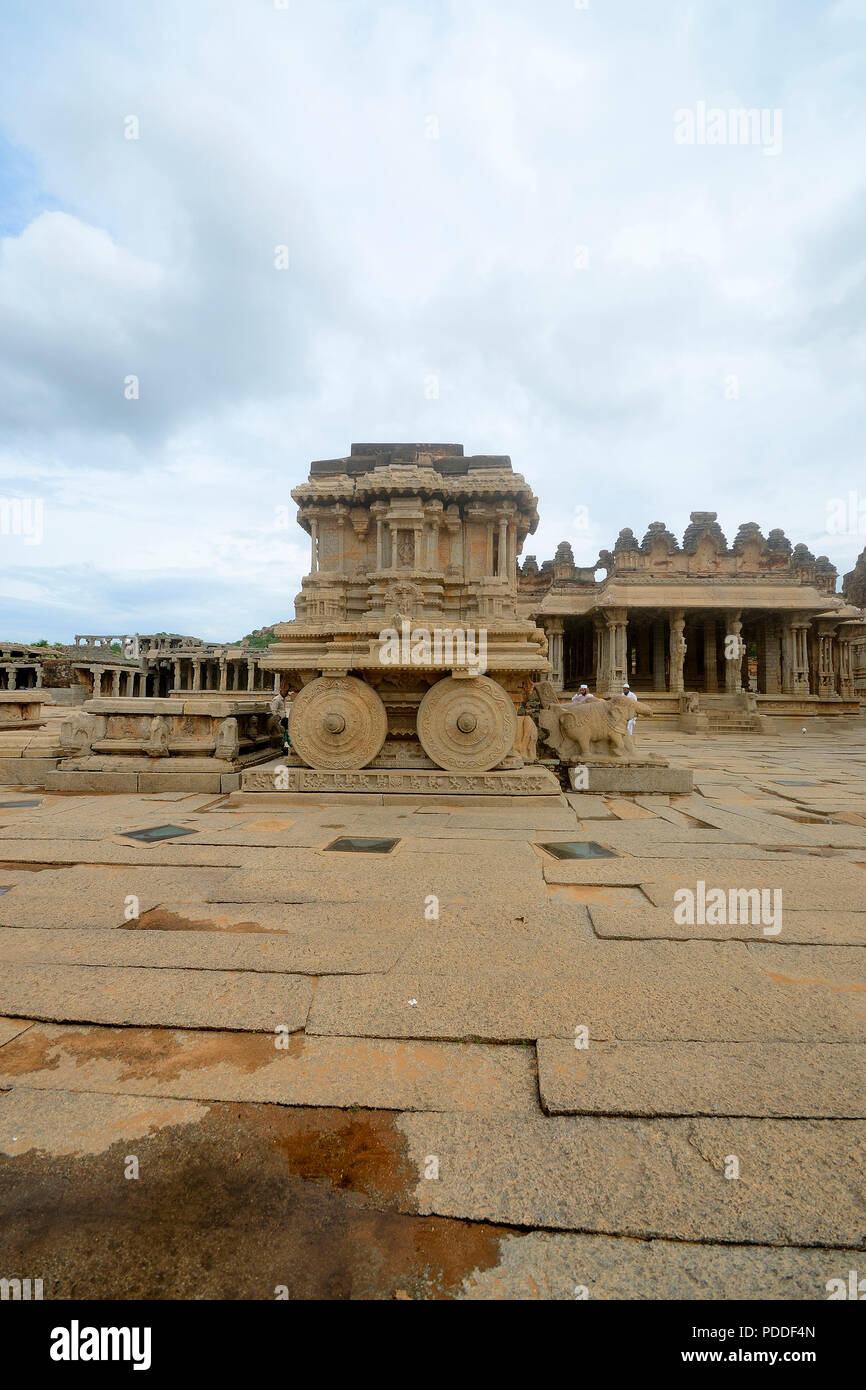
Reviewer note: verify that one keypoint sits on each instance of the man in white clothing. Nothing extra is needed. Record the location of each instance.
(630, 695)
(582, 695)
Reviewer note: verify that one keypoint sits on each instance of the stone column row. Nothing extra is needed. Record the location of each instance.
(795, 657)
(554, 627)
(783, 651)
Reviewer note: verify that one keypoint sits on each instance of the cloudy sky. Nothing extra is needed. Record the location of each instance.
(494, 236)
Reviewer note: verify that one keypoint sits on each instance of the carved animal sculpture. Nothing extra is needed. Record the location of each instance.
(157, 741)
(527, 738)
(227, 742)
(78, 731)
(571, 730)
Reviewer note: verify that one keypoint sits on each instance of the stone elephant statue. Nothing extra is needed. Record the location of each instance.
(571, 730)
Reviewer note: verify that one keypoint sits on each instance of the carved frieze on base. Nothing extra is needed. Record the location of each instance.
(525, 781)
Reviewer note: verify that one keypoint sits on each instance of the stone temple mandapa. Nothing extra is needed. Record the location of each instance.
(664, 613)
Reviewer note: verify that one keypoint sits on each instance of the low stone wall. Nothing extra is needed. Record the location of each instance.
(20, 709)
(131, 744)
(65, 694)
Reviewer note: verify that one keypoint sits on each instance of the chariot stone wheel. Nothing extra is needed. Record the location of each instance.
(337, 723)
(467, 725)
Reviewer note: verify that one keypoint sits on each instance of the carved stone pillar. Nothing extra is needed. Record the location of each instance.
(196, 675)
(800, 656)
(223, 673)
(846, 679)
(341, 514)
(826, 664)
(659, 654)
(554, 628)
(593, 676)
(769, 664)
(314, 545)
(251, 674)
(616, 649)
(677, 650)
(711, 680)
(788, 658)
(622, 662)
(734, 654)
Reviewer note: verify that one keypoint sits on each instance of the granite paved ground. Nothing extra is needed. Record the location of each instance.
(462, 1069)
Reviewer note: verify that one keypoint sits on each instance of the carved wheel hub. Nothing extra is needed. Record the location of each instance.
(337, 724)
(467, 725)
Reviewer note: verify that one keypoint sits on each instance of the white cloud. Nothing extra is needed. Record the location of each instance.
(409, 256)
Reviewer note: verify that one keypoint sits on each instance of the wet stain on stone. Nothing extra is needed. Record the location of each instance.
(157, 919)
(353, 1151)
(838, 986)
(156, 1054)
(250, 1198)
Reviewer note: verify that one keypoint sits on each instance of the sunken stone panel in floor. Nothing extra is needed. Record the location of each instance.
(688, 1078)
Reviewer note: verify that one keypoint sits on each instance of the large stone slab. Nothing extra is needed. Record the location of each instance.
(788, 1080)
(120, 851)
(840, 968)
(800, 1181)
(518, 983)
(66, 781)
(167, 944)
(816, 884)
(649, 923)
(26, 772)
(589, 807)
(252, 1002)
(554, 1265)
(249, 1067)
(408, 878)
(60, 1122)
(11, 1027)
(633, 778)
(99, 898)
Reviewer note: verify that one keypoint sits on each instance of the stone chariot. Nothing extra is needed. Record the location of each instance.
(407, 655)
